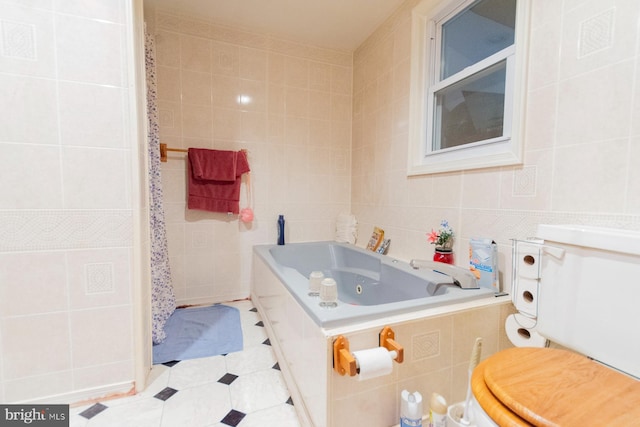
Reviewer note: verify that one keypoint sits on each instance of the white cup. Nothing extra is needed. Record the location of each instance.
(328, 293)
(315, 279)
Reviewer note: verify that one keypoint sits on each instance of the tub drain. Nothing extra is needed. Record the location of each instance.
(359, 289)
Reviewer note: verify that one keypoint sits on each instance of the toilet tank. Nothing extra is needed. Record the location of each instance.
(589, 293)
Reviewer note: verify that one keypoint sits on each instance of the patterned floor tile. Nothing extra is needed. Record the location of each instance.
(92, 411)
(242, 389)
(227, 379)
(233, 418)
(166, 393)
(258, 390)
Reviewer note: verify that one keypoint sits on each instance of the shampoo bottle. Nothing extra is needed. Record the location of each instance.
(410, 409)
(281, 230)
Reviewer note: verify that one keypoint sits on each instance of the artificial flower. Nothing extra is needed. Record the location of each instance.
(443, 238)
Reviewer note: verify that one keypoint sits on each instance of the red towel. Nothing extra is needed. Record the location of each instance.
(215, 195)
(213, 165)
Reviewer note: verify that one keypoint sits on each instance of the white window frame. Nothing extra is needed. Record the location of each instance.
(501, 151)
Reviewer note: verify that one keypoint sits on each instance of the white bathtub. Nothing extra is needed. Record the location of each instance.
(423, 307)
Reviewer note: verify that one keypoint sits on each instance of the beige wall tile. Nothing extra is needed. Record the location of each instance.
(100, 336)
(94, 178)
(529, 186)
(24, 339)
(168, 49)
(226, 124)
(196, 87)
(585, 179)
(91, 115)
(296, 72)
(25, 290)
(41, 190)
(99, 278)
(169, 84)
(96, 57)
(225, 59)
(195, 53)
(35, 387)
(253, 64)
(33, 54)
(591, 36)
(364, 408)
(595, 105)
(296, 102)
(196, 121)
(24, 101)
(225, 91)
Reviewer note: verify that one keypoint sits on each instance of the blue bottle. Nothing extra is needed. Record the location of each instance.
(281, 230)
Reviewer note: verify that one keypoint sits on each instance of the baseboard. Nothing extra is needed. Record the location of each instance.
(88, 395)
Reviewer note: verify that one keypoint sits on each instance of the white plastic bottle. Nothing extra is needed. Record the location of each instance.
(410, 409)
(437, 411)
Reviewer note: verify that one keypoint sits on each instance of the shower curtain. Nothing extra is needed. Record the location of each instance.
(163, 300)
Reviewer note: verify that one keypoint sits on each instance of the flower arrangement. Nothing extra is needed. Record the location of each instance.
(443, 238)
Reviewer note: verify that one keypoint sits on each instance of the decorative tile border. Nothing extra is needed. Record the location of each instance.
(503, 225)
(38, 230)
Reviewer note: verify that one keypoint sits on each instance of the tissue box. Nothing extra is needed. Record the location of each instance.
(483, 262)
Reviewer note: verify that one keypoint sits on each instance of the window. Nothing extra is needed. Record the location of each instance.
(467, 84)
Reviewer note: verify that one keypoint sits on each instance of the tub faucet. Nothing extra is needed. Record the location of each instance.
(460, 276)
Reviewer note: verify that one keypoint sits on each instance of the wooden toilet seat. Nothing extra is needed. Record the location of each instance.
(552, 387)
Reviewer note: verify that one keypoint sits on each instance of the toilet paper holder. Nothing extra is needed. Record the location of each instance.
(345, 363)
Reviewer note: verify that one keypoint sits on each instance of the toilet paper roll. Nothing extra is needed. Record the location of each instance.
(522, 332)
(528, 266)
(373, 362)
(526, 297)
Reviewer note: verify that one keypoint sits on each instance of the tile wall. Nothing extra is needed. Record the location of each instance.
(437, 351)
(582, 142)
(66, 209)
(289, 105)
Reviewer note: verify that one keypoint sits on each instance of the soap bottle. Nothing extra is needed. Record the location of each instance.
(437, 411)
(281, 230)
(410, 409)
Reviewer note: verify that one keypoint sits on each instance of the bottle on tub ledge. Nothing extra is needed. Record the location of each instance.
(437, 411)
(410, 409)
(281, 230)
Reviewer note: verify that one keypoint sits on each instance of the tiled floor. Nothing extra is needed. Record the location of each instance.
(243, 389)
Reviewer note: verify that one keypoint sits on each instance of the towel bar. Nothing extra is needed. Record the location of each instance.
(164, 149)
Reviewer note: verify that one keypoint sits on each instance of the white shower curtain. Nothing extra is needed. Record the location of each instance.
(163, 300)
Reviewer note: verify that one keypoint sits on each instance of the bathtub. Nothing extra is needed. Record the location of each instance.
(370, 285)
(423, 306)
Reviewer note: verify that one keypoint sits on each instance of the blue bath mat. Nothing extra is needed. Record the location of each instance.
(200, 332)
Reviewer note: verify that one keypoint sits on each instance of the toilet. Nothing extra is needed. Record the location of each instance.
(588, 302)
